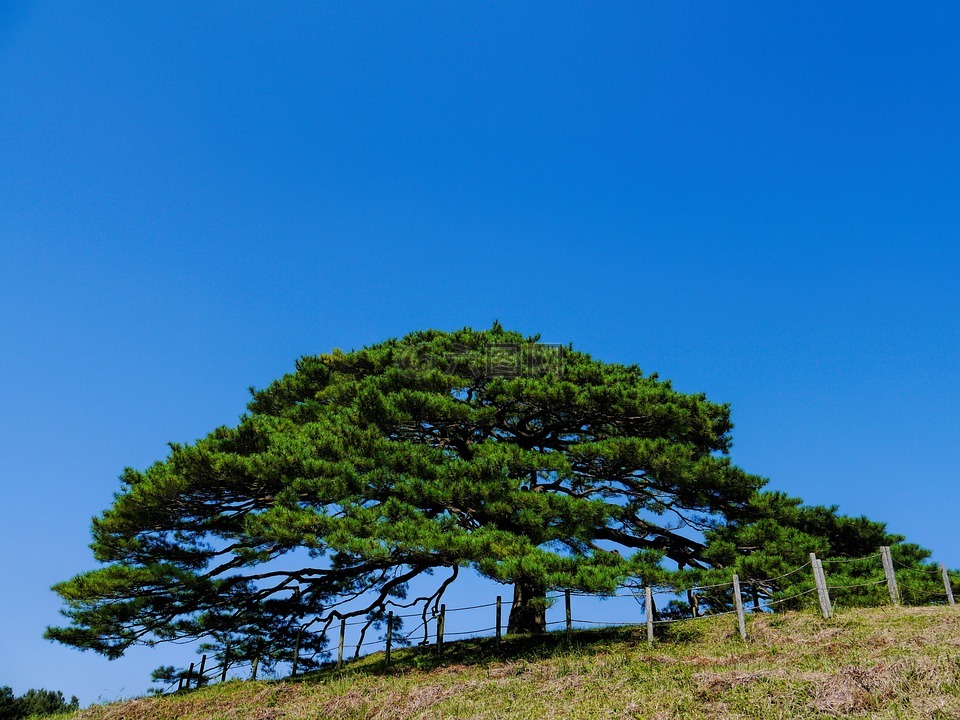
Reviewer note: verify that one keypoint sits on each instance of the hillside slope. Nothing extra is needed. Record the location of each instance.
(863, 663)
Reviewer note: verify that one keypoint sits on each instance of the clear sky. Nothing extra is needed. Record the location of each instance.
(757, 200)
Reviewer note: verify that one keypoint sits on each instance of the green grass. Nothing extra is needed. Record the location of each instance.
(863, 663)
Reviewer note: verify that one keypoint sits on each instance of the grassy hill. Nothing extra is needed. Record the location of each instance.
(863, 663)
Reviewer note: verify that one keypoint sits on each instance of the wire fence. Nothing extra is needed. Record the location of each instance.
(702, 601)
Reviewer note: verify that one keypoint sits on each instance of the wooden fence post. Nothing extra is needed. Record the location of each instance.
(296, 652)
(343, 635)
(946, 584)
(566, 598)
(499, 618)
(738, 603)
(226, 662)
(180, 684)
(649, 611)
(826, 589)
(189, 676)
(440, 623)
(256, 664)
(820, 579)
(389, 637)
(203, 664)
(887, 559)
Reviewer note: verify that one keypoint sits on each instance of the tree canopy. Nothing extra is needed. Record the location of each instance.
(34, 703)
(535, 465)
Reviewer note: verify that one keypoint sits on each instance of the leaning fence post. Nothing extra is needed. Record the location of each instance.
(887, 559)
(738, 603)
(946, 584)
(180, 684)
(566, 598)
(189, 676)
(389, 636)
(826, 588)
(649, 611)
(343, 635)
(499, 618)
(256, 664)
(820, 579)
(440, 623)
(203, 664)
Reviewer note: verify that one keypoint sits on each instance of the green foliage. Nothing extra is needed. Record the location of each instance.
(8, 704)
(359, 472)
(34, 703)
(776, 536)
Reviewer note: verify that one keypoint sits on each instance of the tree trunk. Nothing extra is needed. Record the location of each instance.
(529, 611)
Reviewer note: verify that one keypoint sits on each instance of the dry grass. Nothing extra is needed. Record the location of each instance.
(868, 663)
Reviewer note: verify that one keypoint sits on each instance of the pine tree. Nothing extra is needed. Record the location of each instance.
(537, 466)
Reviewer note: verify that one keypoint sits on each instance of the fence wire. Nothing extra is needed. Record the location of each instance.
(768, 604)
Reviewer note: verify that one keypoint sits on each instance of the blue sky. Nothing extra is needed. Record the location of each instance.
(756, 200)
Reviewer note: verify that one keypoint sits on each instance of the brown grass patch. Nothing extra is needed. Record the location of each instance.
(712, 684)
